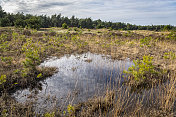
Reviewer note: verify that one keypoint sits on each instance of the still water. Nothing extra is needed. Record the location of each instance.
(79, 77)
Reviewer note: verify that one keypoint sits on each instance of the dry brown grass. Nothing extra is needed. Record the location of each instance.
(154, 102)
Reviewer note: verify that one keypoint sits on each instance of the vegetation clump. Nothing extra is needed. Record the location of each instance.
(145, 42)
(144, 74)
(64, 26)
(3, 79)
(169, 55)
(171, 36)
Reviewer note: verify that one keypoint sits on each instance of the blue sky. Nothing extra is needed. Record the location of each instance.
(140, 12)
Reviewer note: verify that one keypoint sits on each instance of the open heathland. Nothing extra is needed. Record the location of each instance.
(149, 84)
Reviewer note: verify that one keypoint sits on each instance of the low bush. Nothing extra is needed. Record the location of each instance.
(144, 74)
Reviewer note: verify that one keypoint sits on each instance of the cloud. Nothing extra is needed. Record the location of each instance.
(53, 4)
(145, 12)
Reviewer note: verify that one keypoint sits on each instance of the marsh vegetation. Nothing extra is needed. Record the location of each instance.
(146, 88)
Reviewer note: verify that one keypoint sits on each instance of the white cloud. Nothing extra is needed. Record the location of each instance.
(132, 11)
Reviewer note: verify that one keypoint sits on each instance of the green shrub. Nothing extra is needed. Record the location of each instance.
(70, 110)
(144, 74)
(4, 113)
(169, 55)
(39, 75)
(3, 38)
(50, 114)
(32, 54)
(64, 26)
(145, 42)
(110, 29)
(70, 29)
(171, 36)
(75, 29)
(4, 46)
(3, 79)
(32, 59)
(141, 68)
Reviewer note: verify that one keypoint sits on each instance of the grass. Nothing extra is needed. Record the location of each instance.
(21, 51)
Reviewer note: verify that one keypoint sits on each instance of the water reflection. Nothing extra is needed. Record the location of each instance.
(79, 77)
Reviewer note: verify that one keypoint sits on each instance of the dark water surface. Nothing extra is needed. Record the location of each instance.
(79, 77)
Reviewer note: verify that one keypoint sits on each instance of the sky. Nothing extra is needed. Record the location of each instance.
(139, 12)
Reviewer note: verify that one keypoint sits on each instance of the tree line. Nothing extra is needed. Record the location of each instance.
(43, 21)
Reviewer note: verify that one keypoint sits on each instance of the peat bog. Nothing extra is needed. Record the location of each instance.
(84, 74)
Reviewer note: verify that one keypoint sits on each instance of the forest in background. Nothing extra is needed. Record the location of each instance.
(43, 21)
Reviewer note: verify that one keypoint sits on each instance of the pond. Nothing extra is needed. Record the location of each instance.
(79, 77)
